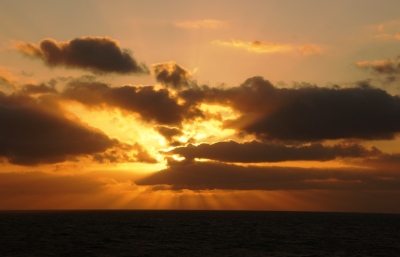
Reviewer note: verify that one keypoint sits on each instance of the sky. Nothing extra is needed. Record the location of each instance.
(211, 105)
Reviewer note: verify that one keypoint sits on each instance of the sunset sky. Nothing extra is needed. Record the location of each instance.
(243, 105)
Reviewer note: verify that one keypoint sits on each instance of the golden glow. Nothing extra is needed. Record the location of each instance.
(124, 195)
(176, 157)
(225, 112)
(125, 128)
(219, 46)
(207, 24)
(210, 130)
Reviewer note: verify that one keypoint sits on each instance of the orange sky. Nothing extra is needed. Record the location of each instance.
(259, 105)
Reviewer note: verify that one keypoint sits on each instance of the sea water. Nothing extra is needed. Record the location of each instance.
(197, 233)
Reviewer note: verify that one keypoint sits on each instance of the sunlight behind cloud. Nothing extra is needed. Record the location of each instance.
(267, 105)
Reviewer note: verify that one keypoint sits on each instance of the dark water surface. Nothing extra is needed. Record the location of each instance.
(197, 233)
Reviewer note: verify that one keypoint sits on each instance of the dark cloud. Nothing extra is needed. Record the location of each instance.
(35, 131)
(97, 54)
(152, 105)
(171, 74)
(169, 133)
(261, 152)
(306, 113)
(212, 175)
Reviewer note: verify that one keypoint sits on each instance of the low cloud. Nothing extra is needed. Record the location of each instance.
(97, 54)
(212, 175)
(262, 152)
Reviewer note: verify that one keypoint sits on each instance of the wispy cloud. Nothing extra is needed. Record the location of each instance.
(256, 46)
(268, 47)
(388, 30)
(198, 24)
(310, 49)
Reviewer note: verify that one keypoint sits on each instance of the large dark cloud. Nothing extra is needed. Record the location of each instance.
(97, 54)
(172, 75)
(35, 131)
(152, 104)
(212, 175)
(306, 113)
(260, 152)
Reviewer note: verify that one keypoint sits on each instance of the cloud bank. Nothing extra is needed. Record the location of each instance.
(210, 175)
(251, 152)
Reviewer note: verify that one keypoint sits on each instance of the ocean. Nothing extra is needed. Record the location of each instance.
(197, 233)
